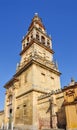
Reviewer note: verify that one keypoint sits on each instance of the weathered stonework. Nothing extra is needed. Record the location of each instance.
(34, 99)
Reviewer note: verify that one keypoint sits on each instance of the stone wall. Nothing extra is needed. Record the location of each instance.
(24, 110)
(44, 113)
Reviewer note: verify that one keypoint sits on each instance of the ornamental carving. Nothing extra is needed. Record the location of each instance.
(70, 92)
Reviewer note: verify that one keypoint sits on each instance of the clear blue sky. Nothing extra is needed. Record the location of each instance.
(60, 20)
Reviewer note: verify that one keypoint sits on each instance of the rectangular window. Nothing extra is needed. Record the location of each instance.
(52, 81)
(52, 78)
(24, 110)
(43, 77)
(43, 74)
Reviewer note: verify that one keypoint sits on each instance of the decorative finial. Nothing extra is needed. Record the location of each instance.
(36, 14)
(72, 79)
(72, 82)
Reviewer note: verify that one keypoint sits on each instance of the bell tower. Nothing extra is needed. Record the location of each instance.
(36, 74)
(37, 49)
(37, 36)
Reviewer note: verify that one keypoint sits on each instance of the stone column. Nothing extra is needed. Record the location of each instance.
(34, 34)
(39, 37)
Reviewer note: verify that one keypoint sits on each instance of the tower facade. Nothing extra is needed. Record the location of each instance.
(36, 75)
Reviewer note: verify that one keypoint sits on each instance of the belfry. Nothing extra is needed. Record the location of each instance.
(34, 99)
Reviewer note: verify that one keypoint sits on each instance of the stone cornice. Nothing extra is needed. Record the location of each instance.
(10, 82)
(70, 87)
(39, 43)
(34, 61)
(46, 67)
(23, 68)
(29, 91)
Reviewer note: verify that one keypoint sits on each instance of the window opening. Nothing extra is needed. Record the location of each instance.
(28, 39)
(10, 99)
(10, 111)
(48, 43)
(37, 36)
(43, 39)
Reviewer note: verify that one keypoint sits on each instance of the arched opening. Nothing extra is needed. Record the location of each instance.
(10, 118)
(10, 111)
(27, 41)
(48, 43)
(10, 99)
(31, 36)
(43, 39)
(37, 36)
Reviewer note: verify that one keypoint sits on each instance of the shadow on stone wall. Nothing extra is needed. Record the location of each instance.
(61, 118)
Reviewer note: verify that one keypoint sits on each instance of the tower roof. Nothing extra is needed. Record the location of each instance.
(36, 20)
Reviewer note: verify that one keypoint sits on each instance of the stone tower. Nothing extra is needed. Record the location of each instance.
(36, 74)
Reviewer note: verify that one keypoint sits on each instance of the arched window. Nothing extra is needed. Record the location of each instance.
(48, 43)
(27, 43)
(31, 36)
(43, 39)
(40, 29)
(37, 36)
(10, 99)
(28, 39)
(24, 110)
(10, 110)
